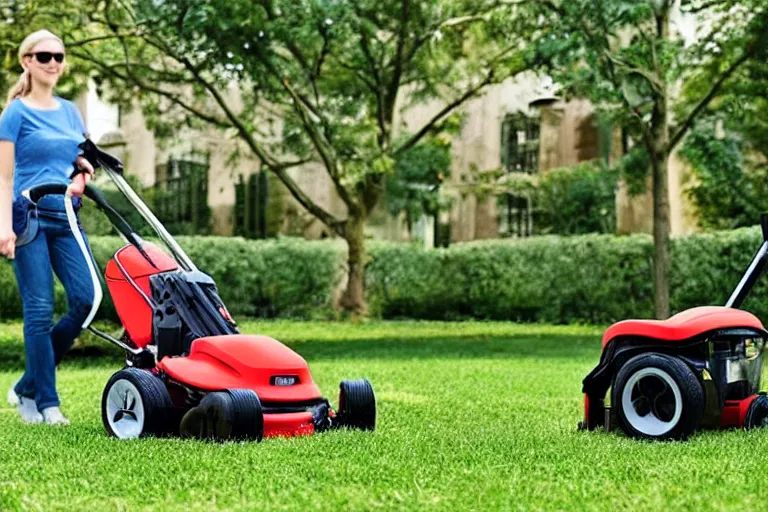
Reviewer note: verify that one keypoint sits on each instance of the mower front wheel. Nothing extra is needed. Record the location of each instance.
(357, 405)
(136, 403)
(231, 415)
(657, 396)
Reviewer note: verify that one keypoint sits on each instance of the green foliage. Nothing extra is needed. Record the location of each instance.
(315, 81)
(331, 71)
(272, 278)
(589, 278)
(592, 278)
(625, 56)
(634, 168)
(576, 200)
(726, 190)
(568, 201)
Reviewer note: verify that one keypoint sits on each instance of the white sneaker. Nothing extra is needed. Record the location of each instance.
(53, 416)
(28, 411)
(13, 398)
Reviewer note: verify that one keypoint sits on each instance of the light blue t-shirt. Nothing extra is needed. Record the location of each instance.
(46, 142)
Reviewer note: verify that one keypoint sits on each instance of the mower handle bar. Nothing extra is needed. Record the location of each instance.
(36, 193)
(114, 169)
(755, 269)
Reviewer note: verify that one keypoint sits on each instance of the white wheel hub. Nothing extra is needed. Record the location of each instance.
(125, 410)
(652, 401)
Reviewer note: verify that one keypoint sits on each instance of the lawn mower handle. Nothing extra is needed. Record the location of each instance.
(113, 167)
(755, 269)
(36, 193)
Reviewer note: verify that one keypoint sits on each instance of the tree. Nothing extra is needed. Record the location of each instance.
(319, 81)
(624, 56)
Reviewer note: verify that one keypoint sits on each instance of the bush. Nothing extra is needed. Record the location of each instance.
(576, 200)
(275, 278)
(590, 278)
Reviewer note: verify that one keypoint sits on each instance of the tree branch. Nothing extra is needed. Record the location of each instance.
(83, 42)
(654, 80)
(130, 78)
(278, 168)
(394, 83)
(322, 146)
(700, 7)
(294, 163)
(443, 113)
(691, 117)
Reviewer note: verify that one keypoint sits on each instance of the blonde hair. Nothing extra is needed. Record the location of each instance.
(23, 85)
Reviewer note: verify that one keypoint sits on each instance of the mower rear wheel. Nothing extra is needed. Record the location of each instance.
(136, 403)
(657, 396)
(757, 414)
(357, 404)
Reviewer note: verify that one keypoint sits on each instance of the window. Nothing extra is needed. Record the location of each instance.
(520, 143)
(519, 154)
(182, 194)
(251, 198)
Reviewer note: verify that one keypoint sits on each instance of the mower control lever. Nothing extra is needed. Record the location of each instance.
(99, 158)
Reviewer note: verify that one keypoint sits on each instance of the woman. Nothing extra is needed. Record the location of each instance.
(39, 135)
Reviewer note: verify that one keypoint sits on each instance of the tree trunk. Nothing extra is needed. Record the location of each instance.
(659, 152)
(353, 299)
(660, 235)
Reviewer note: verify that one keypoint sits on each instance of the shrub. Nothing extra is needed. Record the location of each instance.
(589, 278)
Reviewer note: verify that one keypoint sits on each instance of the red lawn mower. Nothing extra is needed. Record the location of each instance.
(701, 368)
(189, 371)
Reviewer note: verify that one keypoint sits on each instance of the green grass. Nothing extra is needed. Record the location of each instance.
(472, 416)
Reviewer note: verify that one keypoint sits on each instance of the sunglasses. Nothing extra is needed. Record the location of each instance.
(45, 57)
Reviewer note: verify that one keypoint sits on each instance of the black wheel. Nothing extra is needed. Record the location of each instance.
(357, 405)
(248, 422)
(657, 397)
(136, 403)
(235, 414)
(757, 414)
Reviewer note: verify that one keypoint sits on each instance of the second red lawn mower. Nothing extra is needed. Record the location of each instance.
(701, 368)
(189, 370)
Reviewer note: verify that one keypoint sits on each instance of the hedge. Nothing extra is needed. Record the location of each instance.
(585, 279)
(286, 278)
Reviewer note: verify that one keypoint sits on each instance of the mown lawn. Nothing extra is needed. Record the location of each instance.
(472, 416)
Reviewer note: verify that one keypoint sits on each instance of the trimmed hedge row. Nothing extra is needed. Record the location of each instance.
(590, 278)
(286, 278)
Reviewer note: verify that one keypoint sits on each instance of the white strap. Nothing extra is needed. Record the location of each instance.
(97, 294)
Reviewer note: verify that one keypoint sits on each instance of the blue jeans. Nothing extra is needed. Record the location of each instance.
(54, 248)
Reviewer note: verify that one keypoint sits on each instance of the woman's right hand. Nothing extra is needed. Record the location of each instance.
(7, 243)
(77, 187)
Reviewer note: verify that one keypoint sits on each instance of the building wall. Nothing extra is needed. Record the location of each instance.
(567, 136)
